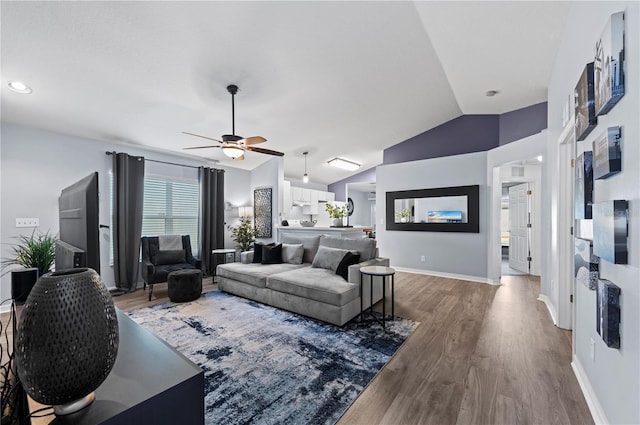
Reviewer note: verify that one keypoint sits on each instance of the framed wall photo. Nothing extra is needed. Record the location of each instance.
(607, 156)
(587, 265)
(609, 65)
(610, 230)
(585, 110)
(584, 185)
(608, 313)
(262, 212)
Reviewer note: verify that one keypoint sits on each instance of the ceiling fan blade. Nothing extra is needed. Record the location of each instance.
(201, 147)
(203, 137)
(240, 158)
(253, 140)
(262, 150)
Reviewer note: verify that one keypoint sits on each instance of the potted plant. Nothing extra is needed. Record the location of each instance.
(403, 215)
(242, 234)
(336, 213)
(34, 251)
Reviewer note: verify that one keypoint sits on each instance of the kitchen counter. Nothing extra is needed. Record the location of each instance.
(342, 232)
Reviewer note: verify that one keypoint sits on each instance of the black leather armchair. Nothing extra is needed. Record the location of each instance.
(157, 263)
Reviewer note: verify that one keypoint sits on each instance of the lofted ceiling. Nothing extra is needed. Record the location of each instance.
(345, 79)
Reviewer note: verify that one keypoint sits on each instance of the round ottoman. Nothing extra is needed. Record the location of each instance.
(185, 285)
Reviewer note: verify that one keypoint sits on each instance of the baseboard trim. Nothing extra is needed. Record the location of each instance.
(589, 395)
(449, 275)
(550, 307)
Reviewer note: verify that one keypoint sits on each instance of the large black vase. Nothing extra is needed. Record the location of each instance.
(67, 339)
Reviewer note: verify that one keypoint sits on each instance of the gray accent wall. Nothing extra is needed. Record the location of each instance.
(446, 253)
(518, 124)
(339, 187)
(465, 134)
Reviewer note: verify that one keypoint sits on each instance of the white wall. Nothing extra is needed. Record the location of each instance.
(611, 380)
(460, 255)
(36, 165)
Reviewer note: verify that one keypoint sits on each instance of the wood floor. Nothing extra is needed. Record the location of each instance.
(482, 355)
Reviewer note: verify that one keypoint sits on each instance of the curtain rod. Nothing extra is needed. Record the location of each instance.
(163, 162)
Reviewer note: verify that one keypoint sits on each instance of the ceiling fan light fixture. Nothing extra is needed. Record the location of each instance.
(19, 87)
(232, 151)
(343, 164)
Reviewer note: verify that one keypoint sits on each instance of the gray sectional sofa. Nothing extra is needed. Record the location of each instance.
(311, 288)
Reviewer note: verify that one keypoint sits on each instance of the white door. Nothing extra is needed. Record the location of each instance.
(519, 222)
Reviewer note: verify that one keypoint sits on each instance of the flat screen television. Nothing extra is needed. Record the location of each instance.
(79, 238)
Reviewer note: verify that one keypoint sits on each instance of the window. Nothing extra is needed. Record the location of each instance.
(171, 208)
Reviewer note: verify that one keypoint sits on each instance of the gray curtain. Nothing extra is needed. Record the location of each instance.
(128, 188)
(212, 215)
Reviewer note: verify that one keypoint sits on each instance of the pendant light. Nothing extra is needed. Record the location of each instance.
(305, 178)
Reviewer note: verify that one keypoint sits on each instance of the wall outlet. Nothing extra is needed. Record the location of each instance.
(592, 349)
(27, 222)
(422, 258)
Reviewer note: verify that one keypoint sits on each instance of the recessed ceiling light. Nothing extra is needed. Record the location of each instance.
(19, 87)
(492, 93)
(344, 164)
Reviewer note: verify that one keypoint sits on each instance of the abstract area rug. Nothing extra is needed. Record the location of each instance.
(264, 365)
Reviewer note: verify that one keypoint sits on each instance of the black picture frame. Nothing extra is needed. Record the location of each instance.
(609, 64)
(583, 197)
(472, 224)
(608, 312)
(607, 154)
(610, 231)
(585, 108)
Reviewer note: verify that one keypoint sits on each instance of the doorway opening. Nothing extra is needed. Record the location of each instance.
(520, 220)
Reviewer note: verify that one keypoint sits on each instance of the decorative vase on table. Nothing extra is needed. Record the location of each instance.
(336, 222)
(67, 339)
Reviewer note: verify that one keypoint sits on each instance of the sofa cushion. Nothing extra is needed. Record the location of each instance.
(272, 254)
(310, 244)
(328, 258)
(366, 247)
(175, 256)
(292, 253)
(257, 251)
(253, 274)
(349, 259)
(316, 284)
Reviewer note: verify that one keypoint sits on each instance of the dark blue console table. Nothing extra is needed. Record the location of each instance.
(150, 383)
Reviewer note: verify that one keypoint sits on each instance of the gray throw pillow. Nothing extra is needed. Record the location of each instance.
(310, 244)
(292, 253)
(170, 257)
(328, 258)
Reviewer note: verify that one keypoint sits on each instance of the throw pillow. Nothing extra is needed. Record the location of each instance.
(257, 251)
(292, 253)
(328, 258)
(170, 257)
(272, 254)
(310, 244)
(349, 259)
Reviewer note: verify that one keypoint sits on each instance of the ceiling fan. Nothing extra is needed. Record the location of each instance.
(233, 145)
